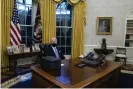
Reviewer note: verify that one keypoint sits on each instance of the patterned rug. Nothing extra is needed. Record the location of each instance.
(128, 67)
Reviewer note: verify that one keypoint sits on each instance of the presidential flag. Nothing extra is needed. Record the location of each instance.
(37, 36)
(15, 32)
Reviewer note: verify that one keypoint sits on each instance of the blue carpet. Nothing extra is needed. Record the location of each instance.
(126, 80)
(25, 84)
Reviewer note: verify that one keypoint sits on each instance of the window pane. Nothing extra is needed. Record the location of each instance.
(20, 1)
(63, 50)
(68, 50)
(23, 40)
(63, 41)
(57, 21)
(29, 31)
(58, 41)
(23, 31)
(28, 20)
(62, 21)
(29, 10)
(22, 19)
(57, 31)
(68, 21)
(69, 31)
(68, 42)
(63, 32)
(28, 1)
(21, 9)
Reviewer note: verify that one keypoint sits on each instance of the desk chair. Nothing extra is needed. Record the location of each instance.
(121, 54)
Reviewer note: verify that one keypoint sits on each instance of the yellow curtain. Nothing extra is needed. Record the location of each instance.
(78, 29)
(48, 18)
(6, 10)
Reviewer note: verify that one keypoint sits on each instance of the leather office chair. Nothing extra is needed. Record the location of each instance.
(121, 54)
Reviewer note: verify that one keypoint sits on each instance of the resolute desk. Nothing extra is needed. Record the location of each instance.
(70, 76)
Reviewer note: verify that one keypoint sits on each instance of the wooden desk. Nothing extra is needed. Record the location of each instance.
(69, 76)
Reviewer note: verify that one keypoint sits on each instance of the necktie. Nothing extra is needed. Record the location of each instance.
(56, 53)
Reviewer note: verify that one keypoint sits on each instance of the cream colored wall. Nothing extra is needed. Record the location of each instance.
(118, 9)
(0, 36)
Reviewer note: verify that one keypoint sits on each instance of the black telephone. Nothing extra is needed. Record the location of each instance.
(90, 56)
(90, 60)
(101, 58)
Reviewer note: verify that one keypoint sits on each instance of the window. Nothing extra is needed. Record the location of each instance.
(64, 26)
(25, 16)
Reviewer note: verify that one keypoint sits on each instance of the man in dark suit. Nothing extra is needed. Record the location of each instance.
(52, 50)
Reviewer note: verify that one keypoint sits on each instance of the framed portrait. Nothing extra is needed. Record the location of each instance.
(37, 47)
(9, 50)
(15, 49)
(33, 49)
(104, 26)
(21, 48)
(26, 49)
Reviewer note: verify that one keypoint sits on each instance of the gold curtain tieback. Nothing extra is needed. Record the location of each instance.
(74, 2)
(57, 1)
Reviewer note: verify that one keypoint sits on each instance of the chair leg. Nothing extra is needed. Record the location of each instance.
(125, 62)
(116, 59)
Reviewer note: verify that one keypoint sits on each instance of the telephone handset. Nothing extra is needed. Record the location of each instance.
(101, 57)
(90, 56)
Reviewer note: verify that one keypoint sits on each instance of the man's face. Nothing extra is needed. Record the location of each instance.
(54, 40)
(103, 22)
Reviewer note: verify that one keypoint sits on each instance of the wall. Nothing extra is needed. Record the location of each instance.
(118, 9)
(0, 35)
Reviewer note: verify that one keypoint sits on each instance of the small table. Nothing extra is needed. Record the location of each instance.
(103, 51)
(14, 57)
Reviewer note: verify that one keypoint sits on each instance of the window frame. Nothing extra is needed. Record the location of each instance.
(25, 18)
(65, 26)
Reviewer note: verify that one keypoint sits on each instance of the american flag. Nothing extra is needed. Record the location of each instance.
(15, 31)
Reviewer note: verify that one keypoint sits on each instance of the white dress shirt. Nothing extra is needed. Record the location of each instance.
(56, 52)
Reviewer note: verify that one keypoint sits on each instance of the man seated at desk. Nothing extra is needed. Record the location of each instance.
(53, 50)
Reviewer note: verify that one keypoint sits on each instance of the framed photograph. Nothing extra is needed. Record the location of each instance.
(21, 48)
(9, 50)
(104, 25)
(33, 49)
(37, 48)
(15, 49)
(26, 49)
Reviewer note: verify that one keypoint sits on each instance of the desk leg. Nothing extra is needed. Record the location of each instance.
(15, 67)
(10, 64)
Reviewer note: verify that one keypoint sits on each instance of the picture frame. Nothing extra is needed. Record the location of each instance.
(33, 49)
(9, 50)
(21, 48)
(37, 48)
(104, 26)
(15, 49)
(26, 49)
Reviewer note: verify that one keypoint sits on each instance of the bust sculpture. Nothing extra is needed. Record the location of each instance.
(103, 44)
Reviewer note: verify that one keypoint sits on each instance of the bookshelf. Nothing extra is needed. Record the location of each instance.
(129, 33)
